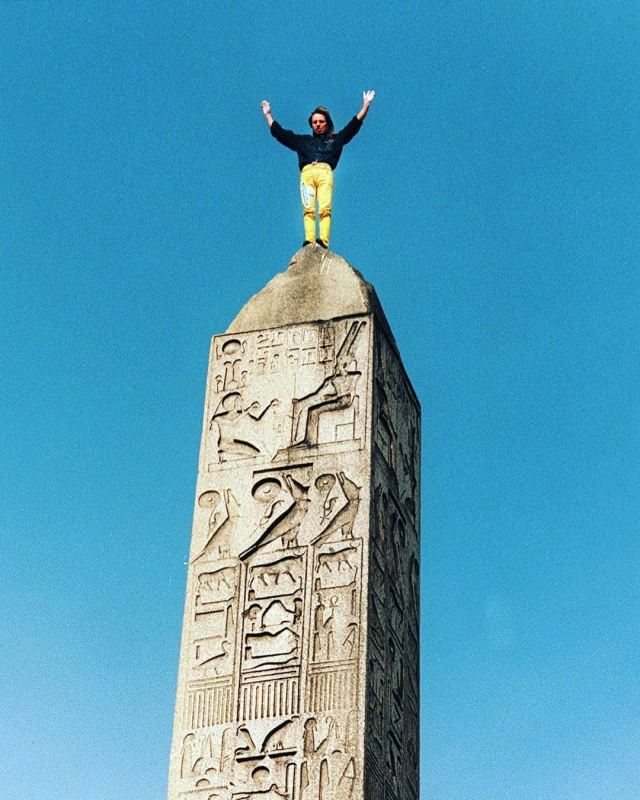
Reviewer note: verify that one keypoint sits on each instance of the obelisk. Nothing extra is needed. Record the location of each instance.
(298, 675)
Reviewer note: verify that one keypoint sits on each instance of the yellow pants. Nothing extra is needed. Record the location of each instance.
(316, 184)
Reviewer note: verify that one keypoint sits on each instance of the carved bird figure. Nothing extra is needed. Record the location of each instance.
(286, 525)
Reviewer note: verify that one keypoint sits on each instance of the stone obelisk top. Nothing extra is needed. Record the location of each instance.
(318, 285)
(298, 671)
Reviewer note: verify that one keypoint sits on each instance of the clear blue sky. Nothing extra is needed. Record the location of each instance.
(491, 198)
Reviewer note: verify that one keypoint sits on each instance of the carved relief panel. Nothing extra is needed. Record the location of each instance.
(271, 688)
(302, 599)
(271, 392)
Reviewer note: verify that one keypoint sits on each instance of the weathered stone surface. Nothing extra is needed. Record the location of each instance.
(299, 663)
(317, 285)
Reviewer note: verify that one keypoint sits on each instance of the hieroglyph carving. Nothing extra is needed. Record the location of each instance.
(301, 588)
(253, 663)
(271, 391)
(271, 683)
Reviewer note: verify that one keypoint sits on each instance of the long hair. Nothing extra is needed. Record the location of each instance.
(325, 113)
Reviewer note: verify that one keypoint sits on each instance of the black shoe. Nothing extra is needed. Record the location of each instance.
(321, 243)
(306, 242)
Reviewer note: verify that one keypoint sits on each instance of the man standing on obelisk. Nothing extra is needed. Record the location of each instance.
(318, 156)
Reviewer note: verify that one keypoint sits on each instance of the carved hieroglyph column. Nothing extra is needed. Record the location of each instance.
(298, 673)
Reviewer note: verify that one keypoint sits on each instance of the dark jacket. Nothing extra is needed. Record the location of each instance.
(314, 147)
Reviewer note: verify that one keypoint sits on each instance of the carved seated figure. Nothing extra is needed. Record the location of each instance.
(336, 392)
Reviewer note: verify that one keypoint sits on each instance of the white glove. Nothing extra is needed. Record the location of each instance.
(266, 107)
(367, 97)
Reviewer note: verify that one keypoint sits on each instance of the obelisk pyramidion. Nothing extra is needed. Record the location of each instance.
(298, 673)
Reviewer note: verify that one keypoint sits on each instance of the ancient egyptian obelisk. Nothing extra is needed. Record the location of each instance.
(298, 673)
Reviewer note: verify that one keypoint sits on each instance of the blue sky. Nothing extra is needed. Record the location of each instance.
(491, 198)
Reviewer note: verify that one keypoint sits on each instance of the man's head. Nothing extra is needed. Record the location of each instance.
(321, 122)
(232, 402)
